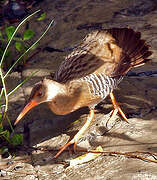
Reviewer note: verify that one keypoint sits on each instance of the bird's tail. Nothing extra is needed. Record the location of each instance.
(135, 51)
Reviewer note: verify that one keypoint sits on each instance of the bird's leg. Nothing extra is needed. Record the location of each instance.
(79, 134)
(117, 107)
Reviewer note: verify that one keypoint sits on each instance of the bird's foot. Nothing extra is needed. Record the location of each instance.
(117, 108)
(78, 135)
(65, 146)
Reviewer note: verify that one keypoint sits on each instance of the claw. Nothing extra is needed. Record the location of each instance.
(78, 135)
(63, 148)
(116, 106)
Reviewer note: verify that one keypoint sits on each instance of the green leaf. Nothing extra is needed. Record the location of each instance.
(3, 150)
(41, 17)
(18, 46)
(6, 134)
(9, 31)
(28, 34)
(16, 139)
(1, 127)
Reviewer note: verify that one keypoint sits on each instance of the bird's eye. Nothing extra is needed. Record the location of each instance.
(39, 94)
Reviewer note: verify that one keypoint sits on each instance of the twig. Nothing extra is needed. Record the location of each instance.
(133, 154)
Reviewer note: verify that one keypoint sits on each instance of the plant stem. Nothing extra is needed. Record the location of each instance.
(5, 91)
(1, 93)
(21, 83)
(29, 48)
(10, 123)
(2, 59)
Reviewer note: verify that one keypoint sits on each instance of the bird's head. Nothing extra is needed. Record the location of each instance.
(44, 91)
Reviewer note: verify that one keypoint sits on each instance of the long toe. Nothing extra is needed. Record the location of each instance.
(63, 148)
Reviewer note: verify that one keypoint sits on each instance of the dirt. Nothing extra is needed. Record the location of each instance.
(137, 96)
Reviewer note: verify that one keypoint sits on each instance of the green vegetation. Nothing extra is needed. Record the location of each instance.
(8, 138)
(20, 43)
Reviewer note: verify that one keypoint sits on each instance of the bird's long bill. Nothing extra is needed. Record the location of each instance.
(28, 107)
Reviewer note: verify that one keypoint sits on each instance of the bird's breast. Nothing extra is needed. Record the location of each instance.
(78, 95)
(87, 91)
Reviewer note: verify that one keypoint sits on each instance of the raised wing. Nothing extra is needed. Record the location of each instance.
(111, 52)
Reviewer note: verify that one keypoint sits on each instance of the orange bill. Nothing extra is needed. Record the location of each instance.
(28, 107)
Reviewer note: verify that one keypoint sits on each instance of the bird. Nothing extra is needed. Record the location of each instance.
(89, 74)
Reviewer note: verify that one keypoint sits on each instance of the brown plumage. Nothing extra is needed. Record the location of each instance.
(112, 52)
(90, 73)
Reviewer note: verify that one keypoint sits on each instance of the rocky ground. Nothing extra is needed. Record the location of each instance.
(137, 96)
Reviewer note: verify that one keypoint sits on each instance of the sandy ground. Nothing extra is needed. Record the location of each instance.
(137, 96)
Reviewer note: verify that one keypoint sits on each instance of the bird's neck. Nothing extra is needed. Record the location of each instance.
(70, 97)
(54, 89)
(62, 98)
